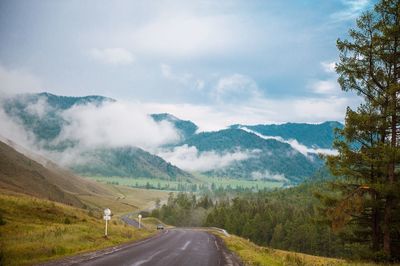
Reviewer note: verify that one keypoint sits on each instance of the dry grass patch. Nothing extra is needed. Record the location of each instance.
(36, 230)
(252, 254)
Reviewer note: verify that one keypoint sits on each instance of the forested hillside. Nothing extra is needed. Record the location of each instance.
(270, 159)
(312, 135)
(284, 219)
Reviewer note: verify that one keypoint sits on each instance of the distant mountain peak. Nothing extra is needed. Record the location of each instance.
(186, 127)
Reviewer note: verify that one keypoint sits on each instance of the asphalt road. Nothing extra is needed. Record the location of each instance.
(174, 247)
(125, 218)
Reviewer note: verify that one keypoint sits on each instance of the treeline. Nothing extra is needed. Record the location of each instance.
(285, 219)
(184, 210)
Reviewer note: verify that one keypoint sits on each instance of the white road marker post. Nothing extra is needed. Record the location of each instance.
(140, 219)
(106, 217)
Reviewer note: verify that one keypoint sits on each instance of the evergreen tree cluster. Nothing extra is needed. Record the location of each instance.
(283, 219)
(367, 208)
(184, 210)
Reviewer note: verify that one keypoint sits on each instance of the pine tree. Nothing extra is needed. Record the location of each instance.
(368, 159)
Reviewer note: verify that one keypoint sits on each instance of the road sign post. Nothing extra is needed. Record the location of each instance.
(106, 217)
(140, 219)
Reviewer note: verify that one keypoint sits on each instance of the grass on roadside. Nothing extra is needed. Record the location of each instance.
(151, 222)
(35, 230)
(251, 254)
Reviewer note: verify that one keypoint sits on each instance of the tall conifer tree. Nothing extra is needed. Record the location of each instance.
(369, 151)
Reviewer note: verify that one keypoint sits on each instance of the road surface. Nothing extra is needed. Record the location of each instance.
(126, 219)
(174, 247)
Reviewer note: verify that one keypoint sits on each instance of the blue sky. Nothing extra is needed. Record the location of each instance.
(214, 62)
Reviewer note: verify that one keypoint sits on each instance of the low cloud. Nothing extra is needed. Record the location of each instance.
(303, 149)
(267, 175)
(11, 129)
(190, 159)
(260, 111)
(113, 56)
(40, 108)
(115, 124)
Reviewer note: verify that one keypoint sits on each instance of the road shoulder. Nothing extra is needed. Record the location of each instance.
(99, 253)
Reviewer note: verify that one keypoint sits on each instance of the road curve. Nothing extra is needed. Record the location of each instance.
(173, 247)
(129, 221)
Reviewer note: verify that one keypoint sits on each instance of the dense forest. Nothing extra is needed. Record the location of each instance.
(284, 218)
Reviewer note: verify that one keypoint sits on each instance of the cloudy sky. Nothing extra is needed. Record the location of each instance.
(214, 62)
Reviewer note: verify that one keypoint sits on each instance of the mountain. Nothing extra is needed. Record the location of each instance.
(311, 135)
(127, 162)
(23, 174)
(185, 127)
(284, 153)
(41, 114)
(268, 158)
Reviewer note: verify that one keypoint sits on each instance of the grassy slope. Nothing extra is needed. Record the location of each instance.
(36, 230)
(151, 222)
(123, 199)
(24, 174)
(252, 254)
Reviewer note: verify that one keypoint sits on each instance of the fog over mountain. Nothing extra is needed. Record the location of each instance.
(85, 133)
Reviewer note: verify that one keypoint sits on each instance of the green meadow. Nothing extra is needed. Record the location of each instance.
(199, 183)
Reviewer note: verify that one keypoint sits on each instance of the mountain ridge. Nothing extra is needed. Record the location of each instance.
(275, 158)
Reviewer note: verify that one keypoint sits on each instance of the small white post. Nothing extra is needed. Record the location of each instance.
(106, 217)
(106, 228)
(140, 218)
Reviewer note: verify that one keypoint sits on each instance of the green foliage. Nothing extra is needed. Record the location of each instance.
(269, 155)
(128, 162)
(312, 135)
(366, 205)
(283, 219)
(184, 210)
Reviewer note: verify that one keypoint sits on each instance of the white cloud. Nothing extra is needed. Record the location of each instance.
(12, 130)
(267, 175)
(235, 88)
(39, 108)
(303, 149)
(113, 56)
(14, 81)
(185, 79)
(329, 67)
(353, 8)
(190, 159)
(329, 86)
(184, 36)
(115, 124)
(167, 73)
